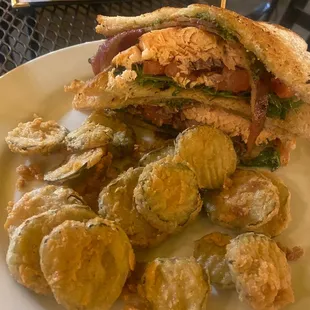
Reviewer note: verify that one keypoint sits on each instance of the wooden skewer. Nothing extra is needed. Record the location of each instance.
(223, 4)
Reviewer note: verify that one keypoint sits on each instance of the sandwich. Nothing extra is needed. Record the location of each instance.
(202, 64)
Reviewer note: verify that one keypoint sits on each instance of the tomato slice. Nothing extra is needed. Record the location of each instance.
(280, 89)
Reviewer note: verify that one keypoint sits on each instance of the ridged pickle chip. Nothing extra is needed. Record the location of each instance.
(248, 203)
(36, 137)
(175, 284)
(209, 152)
(167, 195)
(23, 257)
(74, 165)
(281, 220)
(116, 203)
(260, 271)
(210, 252)
(37, 201)
(88, 136)
(86, 264)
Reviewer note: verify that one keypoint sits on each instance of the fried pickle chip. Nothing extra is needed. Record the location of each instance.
(281, 220)
(157, 154)
(46, 198)
(74, 165)
(210, 252)
(251, 201)
(36, 137)
(260, 271)
(209, 152)
(174, 284)
(23, 257)
(88, 136)
(86, 264)
(116, 203)
(167, 195)
(123, 136)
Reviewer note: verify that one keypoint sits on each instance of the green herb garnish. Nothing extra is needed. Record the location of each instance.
(268, 158)
(119, 70)
(222, 31)
(227, 94)
(164, 82)
(279, 107)
(177, 102)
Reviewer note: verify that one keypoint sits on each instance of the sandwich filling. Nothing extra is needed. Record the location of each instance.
(193, 58)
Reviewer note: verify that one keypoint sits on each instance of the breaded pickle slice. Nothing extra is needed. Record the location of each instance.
(157, 154)
(248, 203)
(260, 271)
(175, 284)
(74, 165)
(209, 152)
(123, 136)
(36, 137)
(167, 195)
(86, 264)
(281, 220)
(23, 257)
(42, 199)
(210, 252)
(88, 136)
(116, 203)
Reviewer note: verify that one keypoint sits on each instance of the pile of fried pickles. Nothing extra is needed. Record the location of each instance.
(83, 253)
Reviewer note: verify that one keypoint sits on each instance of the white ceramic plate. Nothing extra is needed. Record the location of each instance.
(37, 87)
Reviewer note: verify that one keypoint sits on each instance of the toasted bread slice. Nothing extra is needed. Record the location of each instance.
(283, 52)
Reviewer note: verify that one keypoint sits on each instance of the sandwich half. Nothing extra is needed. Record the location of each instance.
(204, 65)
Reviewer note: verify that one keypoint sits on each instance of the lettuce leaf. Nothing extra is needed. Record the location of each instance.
(279, 107)
(268, 158)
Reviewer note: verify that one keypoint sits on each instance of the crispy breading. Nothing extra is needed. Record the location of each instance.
(36, 137)
(23, 257)
(210, 252)
(116, 203)
(27, 173)
(260, 271)
(281, 220)
(88, 136)
(175, 283)
(251, 201)
(86, 264)
(49, 197)
(75, 164)
(167, 195)
(209, 153)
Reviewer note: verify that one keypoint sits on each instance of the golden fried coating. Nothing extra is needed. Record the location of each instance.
(23, 257)
(248, 203)
(88, 136)
(74, 165)
(281, 220)
(157, 154)
(36, 137)
(123, 136)
(116, 204)
(86, 264)
(260, 271)
(167, 195)
(42, 199)
(210, 252)
(91, 181)
(175, 284)
(209, 152)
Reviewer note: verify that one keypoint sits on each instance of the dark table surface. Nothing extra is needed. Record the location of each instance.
(27, 33)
